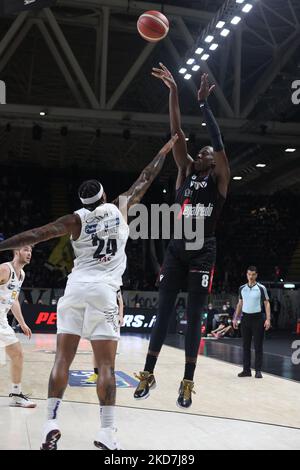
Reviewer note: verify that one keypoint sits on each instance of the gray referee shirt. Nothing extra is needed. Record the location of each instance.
(253, 297)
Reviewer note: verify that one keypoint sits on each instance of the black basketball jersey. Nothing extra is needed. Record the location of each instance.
(199, 197)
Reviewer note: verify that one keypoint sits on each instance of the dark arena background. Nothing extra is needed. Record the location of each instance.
(78, 102)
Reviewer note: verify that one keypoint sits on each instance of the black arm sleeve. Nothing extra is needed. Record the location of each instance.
(212, 127)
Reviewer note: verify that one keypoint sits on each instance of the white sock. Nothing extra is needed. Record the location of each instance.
(107, 416)
(16, 389)
(52, 407)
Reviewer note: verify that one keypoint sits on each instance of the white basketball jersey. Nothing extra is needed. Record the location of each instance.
(9, 292)
(100, 249)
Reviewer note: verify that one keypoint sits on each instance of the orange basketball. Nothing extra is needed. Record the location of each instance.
(153, 26)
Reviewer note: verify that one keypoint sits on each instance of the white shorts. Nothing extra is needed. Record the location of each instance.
(7, 334)
(90, 311)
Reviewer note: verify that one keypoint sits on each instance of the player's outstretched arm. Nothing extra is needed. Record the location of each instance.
(62, 226)
(146, 178)
(222, 170)
(182, 158)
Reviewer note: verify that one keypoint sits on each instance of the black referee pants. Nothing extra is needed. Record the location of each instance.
(252, 326)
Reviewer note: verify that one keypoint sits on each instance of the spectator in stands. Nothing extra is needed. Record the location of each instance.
(229, 309)
(225, 328)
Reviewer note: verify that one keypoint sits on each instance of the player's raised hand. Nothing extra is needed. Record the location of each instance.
(205, 90)
(165, 75)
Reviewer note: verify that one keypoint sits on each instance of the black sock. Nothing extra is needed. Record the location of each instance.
(150, 363)
(96, 371)
(189, 370)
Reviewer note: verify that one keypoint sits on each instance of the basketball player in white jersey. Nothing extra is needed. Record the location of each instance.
(11, 279)
(89, 306)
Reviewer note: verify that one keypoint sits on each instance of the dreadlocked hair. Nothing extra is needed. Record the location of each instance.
(89, 189)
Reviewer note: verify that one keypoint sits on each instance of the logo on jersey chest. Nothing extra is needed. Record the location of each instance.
(90, 229)
(12, 286)
(104, 227)
(198, 184)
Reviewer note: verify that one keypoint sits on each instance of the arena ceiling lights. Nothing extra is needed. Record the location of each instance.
(230, 15)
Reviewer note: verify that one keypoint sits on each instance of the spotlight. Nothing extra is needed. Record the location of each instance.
(187, 76)
(237, 178)
(261, 165)
(199, 50)
(205, 57)
(225, 32)
(190, 61)
(220, 24)
(248, 7)
(235, 20)
(209, 38)
(182, 70)
(196, 68)
(290, 150)
(214, 46)
(43, 113)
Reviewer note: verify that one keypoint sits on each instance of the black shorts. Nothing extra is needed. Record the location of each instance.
(188, 270)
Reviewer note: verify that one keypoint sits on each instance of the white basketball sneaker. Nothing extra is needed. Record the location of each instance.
(21, 401)
(51, 434)
(107, 439)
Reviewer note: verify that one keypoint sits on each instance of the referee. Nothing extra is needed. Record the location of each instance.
(251, 298)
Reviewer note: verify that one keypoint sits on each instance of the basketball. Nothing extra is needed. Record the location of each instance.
(153, 26)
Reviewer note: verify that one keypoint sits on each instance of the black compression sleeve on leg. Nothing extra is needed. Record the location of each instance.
(196, 302)
(150, 363)
(189, 370)
(159, 332)
(212, 126)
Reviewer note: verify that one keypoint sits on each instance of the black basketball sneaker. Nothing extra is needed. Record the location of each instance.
(147, 382)
(185, 394)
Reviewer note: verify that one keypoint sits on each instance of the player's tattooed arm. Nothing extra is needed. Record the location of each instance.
(182, 159)
(146, 178)
(62, 226)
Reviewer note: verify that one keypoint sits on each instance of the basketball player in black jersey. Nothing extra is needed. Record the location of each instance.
(201, 190)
